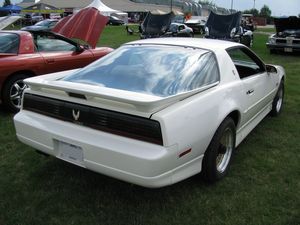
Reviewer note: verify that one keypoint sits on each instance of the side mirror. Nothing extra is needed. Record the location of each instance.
(79, 49)
(271, 69)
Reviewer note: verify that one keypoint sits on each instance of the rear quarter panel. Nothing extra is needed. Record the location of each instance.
(191, 123)
(22, 62)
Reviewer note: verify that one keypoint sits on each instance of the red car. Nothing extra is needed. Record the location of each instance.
(25, 54)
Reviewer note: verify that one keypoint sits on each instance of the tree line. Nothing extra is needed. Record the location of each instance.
(6, 3)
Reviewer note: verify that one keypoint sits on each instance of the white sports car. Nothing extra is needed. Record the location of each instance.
(154, 111)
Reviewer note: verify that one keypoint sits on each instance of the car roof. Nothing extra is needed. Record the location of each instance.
(209, 44)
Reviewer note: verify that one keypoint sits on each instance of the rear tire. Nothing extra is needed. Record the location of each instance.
(218, 155)
(13, 91)
(277, 104)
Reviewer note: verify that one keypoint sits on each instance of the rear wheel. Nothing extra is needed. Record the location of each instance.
(277, 104)
(13, 91)
(218, 155)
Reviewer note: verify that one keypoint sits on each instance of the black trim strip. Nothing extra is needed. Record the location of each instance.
(100, 119)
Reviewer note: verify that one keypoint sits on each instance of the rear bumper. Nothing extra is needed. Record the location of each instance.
(130, 160)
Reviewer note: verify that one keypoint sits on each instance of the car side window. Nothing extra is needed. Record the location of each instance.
(180, 28)
(246, 63)
(207, 71)
(47, 43)
(9, 43)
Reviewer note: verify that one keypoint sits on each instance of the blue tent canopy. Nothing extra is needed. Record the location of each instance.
(11, 8)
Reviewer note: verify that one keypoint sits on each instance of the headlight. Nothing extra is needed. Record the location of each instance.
(272, 40)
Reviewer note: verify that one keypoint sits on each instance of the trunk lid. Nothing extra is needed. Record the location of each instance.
(113, 99)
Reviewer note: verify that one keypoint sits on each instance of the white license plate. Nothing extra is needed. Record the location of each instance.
(288, 49)
(70, 153)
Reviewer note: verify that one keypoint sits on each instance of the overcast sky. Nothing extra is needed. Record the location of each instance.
(278, 7)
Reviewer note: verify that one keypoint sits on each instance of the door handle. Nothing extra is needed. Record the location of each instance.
(249, 92)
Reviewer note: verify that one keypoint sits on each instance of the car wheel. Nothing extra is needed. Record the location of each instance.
(13, 91)
(273, 51)
(218, 155)
(277, 104)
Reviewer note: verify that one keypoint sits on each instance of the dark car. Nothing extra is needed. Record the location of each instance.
(287, 37)
(113, 20)
(229, 28)
(45, 25)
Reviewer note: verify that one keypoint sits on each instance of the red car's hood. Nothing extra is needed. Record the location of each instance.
(86, 25)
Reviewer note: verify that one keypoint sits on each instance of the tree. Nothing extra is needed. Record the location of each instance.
(254, 12)
(265, 12)
(6, 2)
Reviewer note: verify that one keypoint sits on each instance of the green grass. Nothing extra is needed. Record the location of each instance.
(262, 188)
(266, 29)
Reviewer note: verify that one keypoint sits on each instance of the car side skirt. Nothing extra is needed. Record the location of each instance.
(242, 133)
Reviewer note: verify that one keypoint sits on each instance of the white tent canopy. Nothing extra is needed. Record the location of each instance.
(106, 11)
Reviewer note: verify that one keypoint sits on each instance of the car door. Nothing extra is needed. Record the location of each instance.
(256, 82)
(59, 54)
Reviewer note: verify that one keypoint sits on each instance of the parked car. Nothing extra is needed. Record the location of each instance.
(178, 30)
(154, 111)
(56, 16)
(228, 27)
(178, 19)
(25, 54)
(113, 20)
(45, 25)
(36, 18)
(30, 19)
(197, 23)
(287, 37)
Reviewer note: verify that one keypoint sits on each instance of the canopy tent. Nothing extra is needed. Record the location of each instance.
(42, 8)
(107, 11)
(11, 9)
